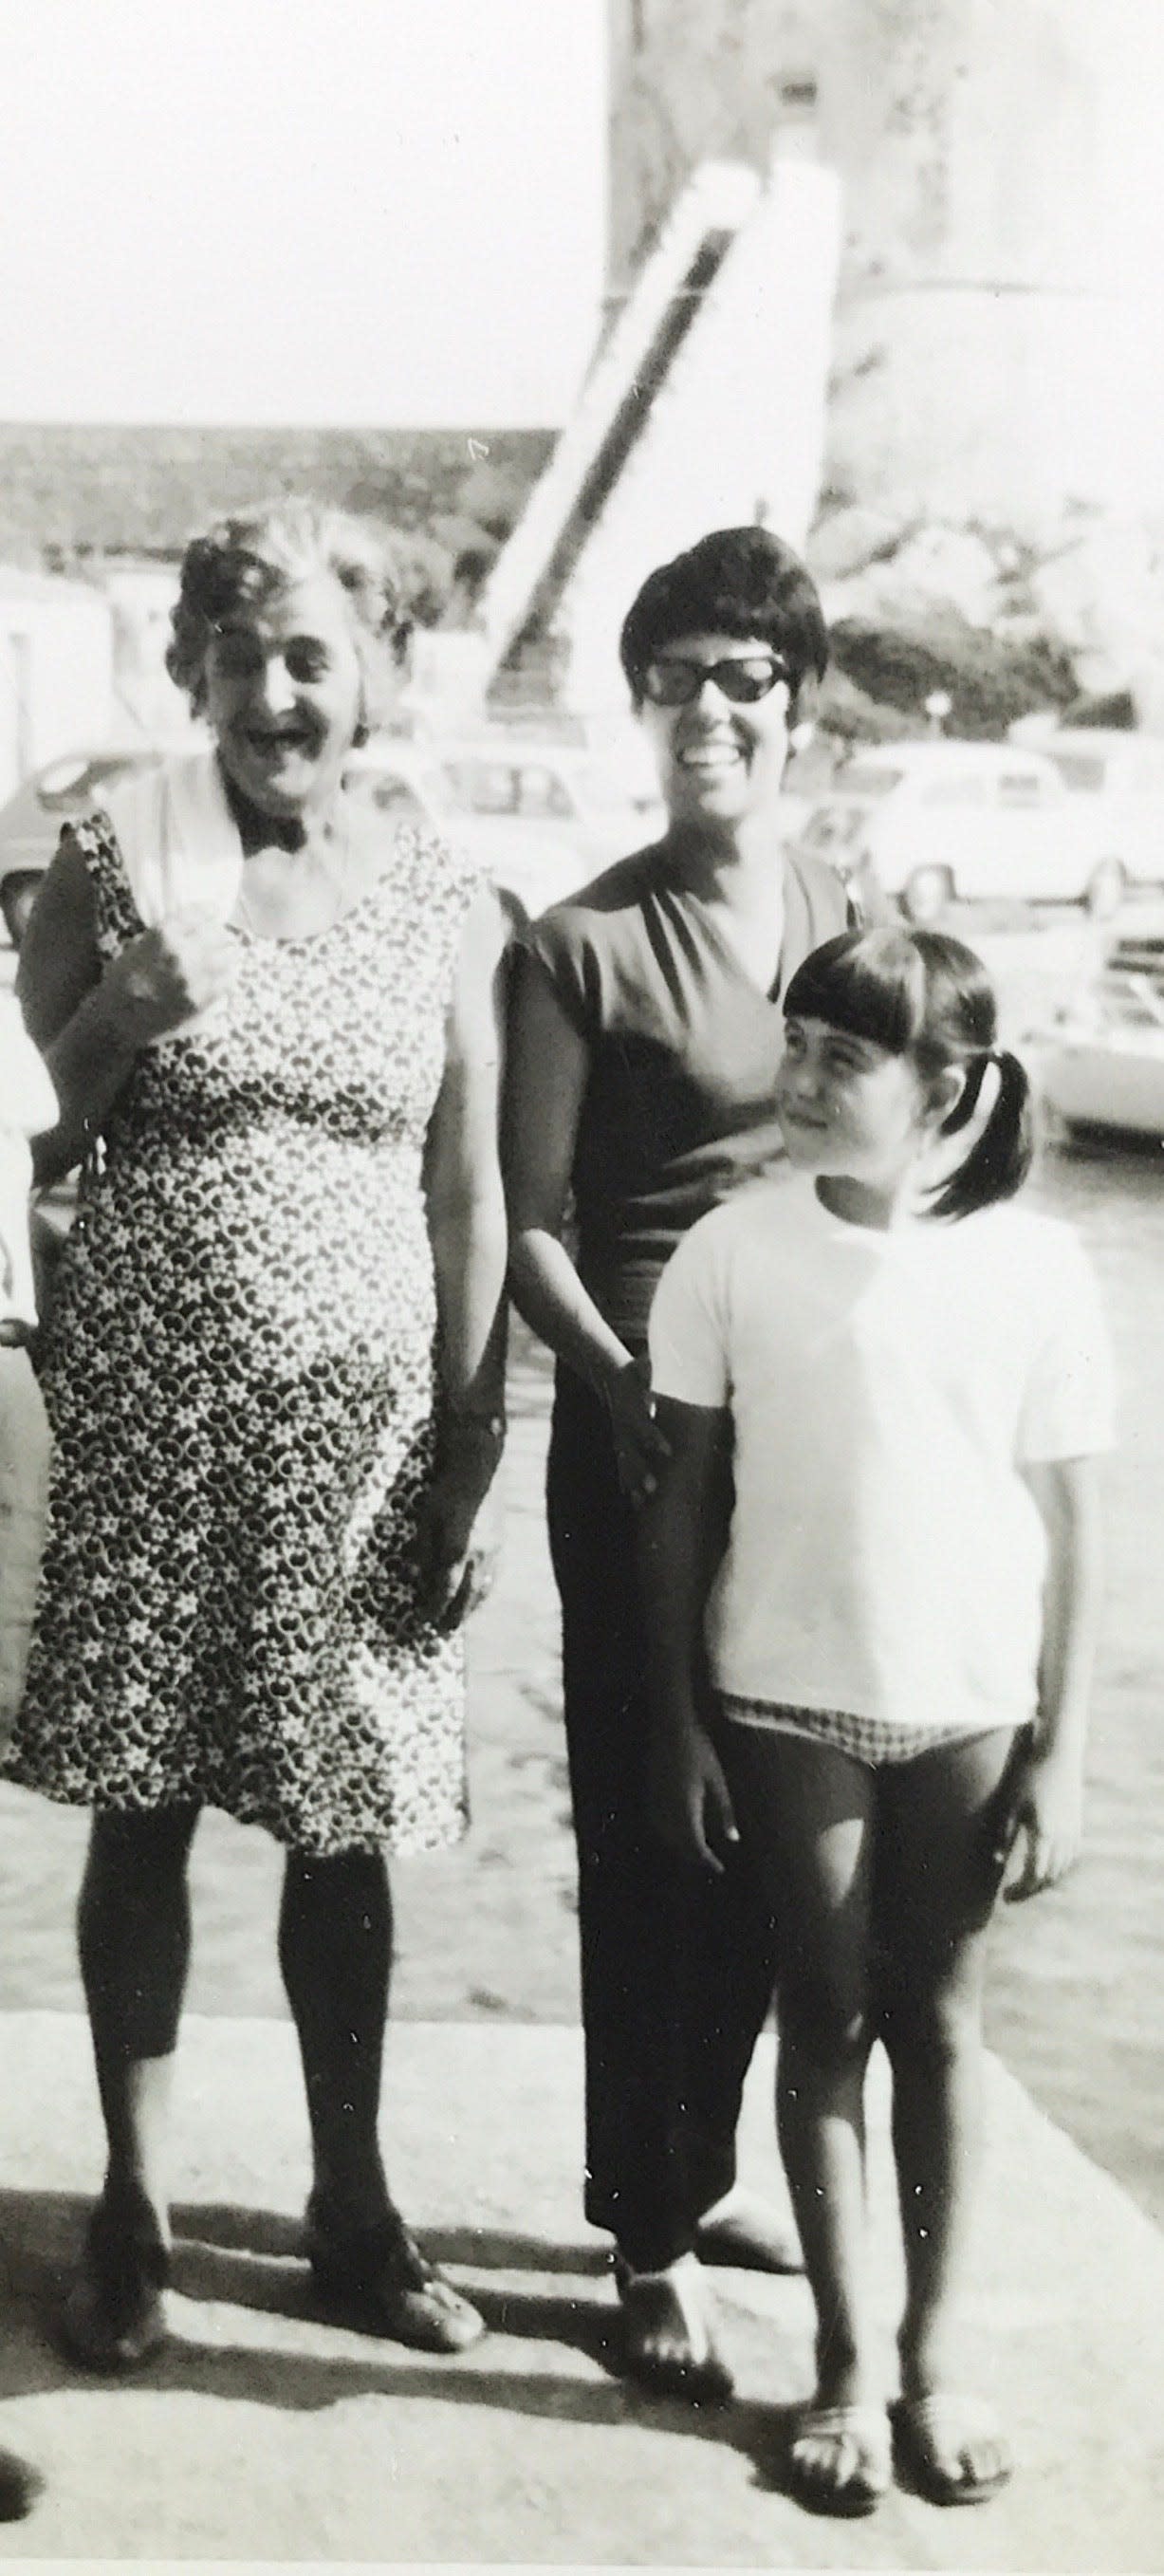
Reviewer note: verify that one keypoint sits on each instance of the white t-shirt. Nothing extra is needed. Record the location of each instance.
(28, 1104)
(885, 1556)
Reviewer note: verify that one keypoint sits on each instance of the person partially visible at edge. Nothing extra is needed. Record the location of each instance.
(274, 1368)
(645, 1034)
(27, 1104)
(871, 1571)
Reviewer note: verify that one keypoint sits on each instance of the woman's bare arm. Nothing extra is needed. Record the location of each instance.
(547, 1073)
(546, 1081)
(91, 1017)
(464, 1199)
(68, 1012)
(465, 1206)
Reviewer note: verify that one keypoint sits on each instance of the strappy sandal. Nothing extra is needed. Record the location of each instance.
(114, 2316)
(668, 2345)
(379, 2272)
(840, 2460)
(940, 2442)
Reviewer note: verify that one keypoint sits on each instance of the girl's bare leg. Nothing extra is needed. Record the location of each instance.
(805, 1814)
(934, 1895)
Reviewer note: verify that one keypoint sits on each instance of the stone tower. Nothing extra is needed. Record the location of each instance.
(999, 353)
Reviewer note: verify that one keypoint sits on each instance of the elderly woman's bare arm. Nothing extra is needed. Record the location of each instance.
(71, 1013)
(462, 1178)
(465, 1204)
(89, 1017)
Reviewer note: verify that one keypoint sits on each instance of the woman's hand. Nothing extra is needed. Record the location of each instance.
(458, 1538)
(688, 1799)
(639, 1445)
(1044, 1805)
(169, 974)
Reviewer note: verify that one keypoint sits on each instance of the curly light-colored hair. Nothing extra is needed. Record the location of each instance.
(255, 554)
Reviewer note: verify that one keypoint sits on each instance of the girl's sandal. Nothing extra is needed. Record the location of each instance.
(950, 2447)
(667, 2341)
(114, 2316)
(379, 2272)
(840, 2459)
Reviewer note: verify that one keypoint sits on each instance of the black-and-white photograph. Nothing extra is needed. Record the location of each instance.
(581, 1233)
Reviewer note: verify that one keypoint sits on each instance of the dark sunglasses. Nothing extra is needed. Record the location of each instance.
(745, 677)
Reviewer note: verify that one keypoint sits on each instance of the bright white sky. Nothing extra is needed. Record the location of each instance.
(346, 212)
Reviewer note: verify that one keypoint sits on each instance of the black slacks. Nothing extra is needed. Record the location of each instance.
(676, 1965)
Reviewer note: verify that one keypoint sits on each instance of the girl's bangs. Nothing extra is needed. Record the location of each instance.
(871, 983)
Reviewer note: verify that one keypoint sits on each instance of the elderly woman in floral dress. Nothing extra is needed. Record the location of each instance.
(274, 1371)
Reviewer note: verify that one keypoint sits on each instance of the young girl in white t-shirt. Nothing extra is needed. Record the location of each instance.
(871, 1576)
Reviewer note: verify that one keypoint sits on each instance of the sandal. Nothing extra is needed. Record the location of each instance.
(840, 2459)
(667, 2341)
(379, 2271)
(114, 2317)
(20, 2485)
(951, 2448)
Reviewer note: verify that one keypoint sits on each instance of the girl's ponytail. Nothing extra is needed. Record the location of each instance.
(999, 1160)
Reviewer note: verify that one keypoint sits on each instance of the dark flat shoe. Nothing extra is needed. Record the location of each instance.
(114, 2316)
(20, 2485)
(379, 2273)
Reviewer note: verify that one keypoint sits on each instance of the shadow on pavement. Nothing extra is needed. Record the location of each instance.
(248, 2259)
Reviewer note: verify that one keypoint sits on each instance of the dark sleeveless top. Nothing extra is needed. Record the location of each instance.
(683, 1049)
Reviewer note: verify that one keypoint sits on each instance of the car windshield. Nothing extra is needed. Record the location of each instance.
(867, 778)
(478, 785)
(1079, 769)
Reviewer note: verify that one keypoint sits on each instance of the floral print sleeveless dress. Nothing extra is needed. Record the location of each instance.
(238, 1372)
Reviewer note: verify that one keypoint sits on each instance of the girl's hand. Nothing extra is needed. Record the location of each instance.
(169, 974)
(1045, 1805)
(458, 1537)
(688, 1799)
(639, 1446)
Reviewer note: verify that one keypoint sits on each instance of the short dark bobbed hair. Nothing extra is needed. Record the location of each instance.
(921, 994)
(738, 581)
(257, 553)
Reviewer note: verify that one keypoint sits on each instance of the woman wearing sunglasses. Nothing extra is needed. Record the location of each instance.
(646, 1035)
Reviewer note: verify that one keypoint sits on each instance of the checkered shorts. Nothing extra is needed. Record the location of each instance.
(872, 1740)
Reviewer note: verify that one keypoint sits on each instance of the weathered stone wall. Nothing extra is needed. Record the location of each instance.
(997, 344)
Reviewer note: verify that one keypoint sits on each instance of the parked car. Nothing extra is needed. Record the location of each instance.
(1101, 1062)
(935, 822)
(542, 817)
(1126, 771)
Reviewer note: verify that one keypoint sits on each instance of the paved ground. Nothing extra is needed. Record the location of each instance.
(267, 2433)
